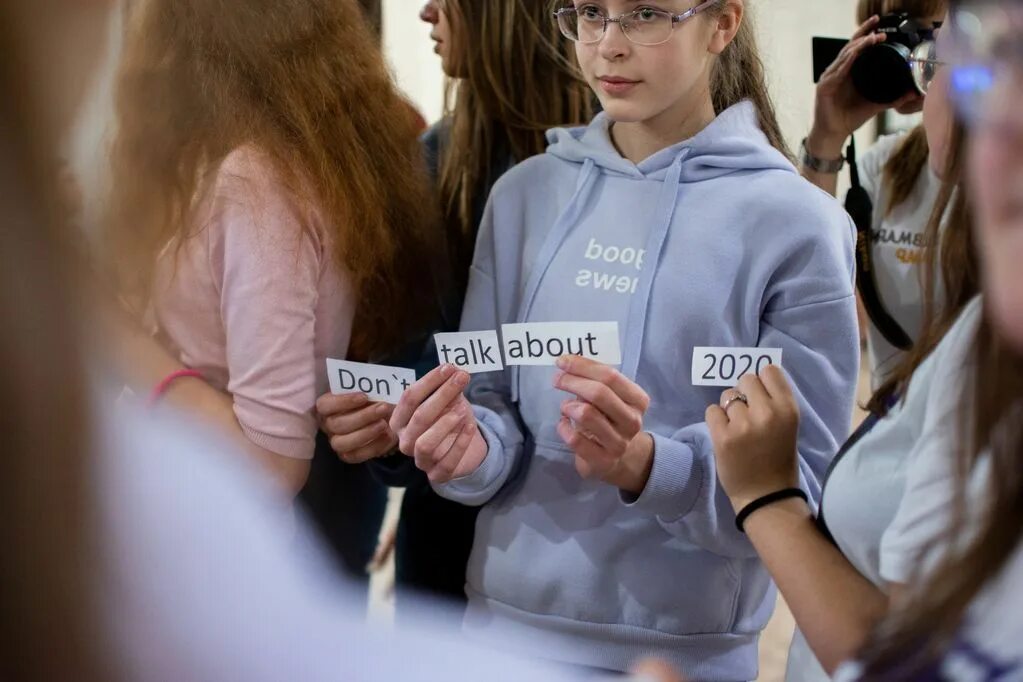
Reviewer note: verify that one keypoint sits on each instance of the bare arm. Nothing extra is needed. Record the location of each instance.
(835, 607)
(147, 363)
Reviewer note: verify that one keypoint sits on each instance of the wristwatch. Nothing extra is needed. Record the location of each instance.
(811, 162)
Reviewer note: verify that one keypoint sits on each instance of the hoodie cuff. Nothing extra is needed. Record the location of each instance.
(674, 483)
(467, 489)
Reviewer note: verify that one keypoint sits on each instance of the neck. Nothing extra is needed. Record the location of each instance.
(640, 140)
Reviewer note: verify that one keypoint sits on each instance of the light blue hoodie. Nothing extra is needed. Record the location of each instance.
(716, 241)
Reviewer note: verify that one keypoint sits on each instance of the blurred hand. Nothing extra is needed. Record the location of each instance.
(436, 426)
(755, 445)
(656, 670)
(358, 428)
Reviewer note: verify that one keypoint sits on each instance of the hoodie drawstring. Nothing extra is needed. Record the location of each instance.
(564, 224)
(635, 326)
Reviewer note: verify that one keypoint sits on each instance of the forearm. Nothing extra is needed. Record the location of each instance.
(194, 396)
(147, 363)
(835, 607)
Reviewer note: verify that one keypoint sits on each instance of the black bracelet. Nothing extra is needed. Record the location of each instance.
(761, 502)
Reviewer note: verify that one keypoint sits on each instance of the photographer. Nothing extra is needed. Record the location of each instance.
(900, 174)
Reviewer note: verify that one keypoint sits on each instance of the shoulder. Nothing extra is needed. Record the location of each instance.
(793, 208)
(250, 199)
(873, 161)
(527, 177)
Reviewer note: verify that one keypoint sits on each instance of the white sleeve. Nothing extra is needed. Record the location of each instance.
(924, 512)
(872, 162)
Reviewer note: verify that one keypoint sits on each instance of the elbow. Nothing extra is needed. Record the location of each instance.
(292, 474)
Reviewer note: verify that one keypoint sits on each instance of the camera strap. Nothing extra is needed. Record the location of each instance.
(861, 210)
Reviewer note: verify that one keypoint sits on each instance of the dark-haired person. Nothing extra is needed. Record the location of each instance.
(506, 89)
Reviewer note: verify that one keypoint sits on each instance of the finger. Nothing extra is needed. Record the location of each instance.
(866, 27)
(717, 422)
(341, 424)
(589, 421)
(592, 455)
(851, 52)
(448, 467)
(657, 671)
(329, 404)
(630, 392)
(448, 396)
(737, 410)
(777, 384)
(414, 396)
(465, 465)
(350, 442)
(626, 418)
(381, 447)
(428, 451)
(751, 386)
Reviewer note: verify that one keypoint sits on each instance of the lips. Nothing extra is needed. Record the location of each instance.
(616, 85)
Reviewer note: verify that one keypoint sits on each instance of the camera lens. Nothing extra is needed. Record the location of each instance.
(882, 73)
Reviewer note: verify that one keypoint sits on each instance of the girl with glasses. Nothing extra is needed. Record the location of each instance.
(604, 533)
(962, 618)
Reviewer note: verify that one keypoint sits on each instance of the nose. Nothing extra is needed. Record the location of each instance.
(430, 13)
(613, 44)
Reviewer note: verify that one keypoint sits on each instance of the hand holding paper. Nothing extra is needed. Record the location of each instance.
(755, 440)
(603, 423)
(436, 426)
(357, 427)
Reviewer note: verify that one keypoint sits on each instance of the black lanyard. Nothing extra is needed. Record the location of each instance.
(861, 210)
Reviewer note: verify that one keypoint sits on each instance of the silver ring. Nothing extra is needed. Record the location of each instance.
(738, 397)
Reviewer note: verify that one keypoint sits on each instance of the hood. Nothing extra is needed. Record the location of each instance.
(732, 142)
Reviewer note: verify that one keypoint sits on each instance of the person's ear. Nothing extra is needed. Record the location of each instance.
(726, 26)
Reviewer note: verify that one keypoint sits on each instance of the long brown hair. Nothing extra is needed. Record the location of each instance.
(48, 526)
(949, 251)
(991, 425)
(739, 75)
(519, 80)
(305, 82)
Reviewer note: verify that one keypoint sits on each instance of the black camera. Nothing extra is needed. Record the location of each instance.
(883, 73)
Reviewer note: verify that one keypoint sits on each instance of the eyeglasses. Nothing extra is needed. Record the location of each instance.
(986, 56)
(925, 65)
(646, 26)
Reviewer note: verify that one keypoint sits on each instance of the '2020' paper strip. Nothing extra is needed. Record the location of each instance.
(542, 343)
(473, 352)
(380, 383)
(717, 366)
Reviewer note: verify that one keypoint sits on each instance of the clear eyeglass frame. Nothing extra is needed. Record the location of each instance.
(659, 24)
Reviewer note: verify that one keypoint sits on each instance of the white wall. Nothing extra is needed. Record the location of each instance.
(409, 49)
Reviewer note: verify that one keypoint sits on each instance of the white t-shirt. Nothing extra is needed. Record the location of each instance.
(866, 488)
(202, 579)
(989, 646)
(898, 243)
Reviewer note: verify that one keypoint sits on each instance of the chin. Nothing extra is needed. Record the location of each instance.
(624, 111)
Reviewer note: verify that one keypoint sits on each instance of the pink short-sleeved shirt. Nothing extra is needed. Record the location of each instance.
(254, 300)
